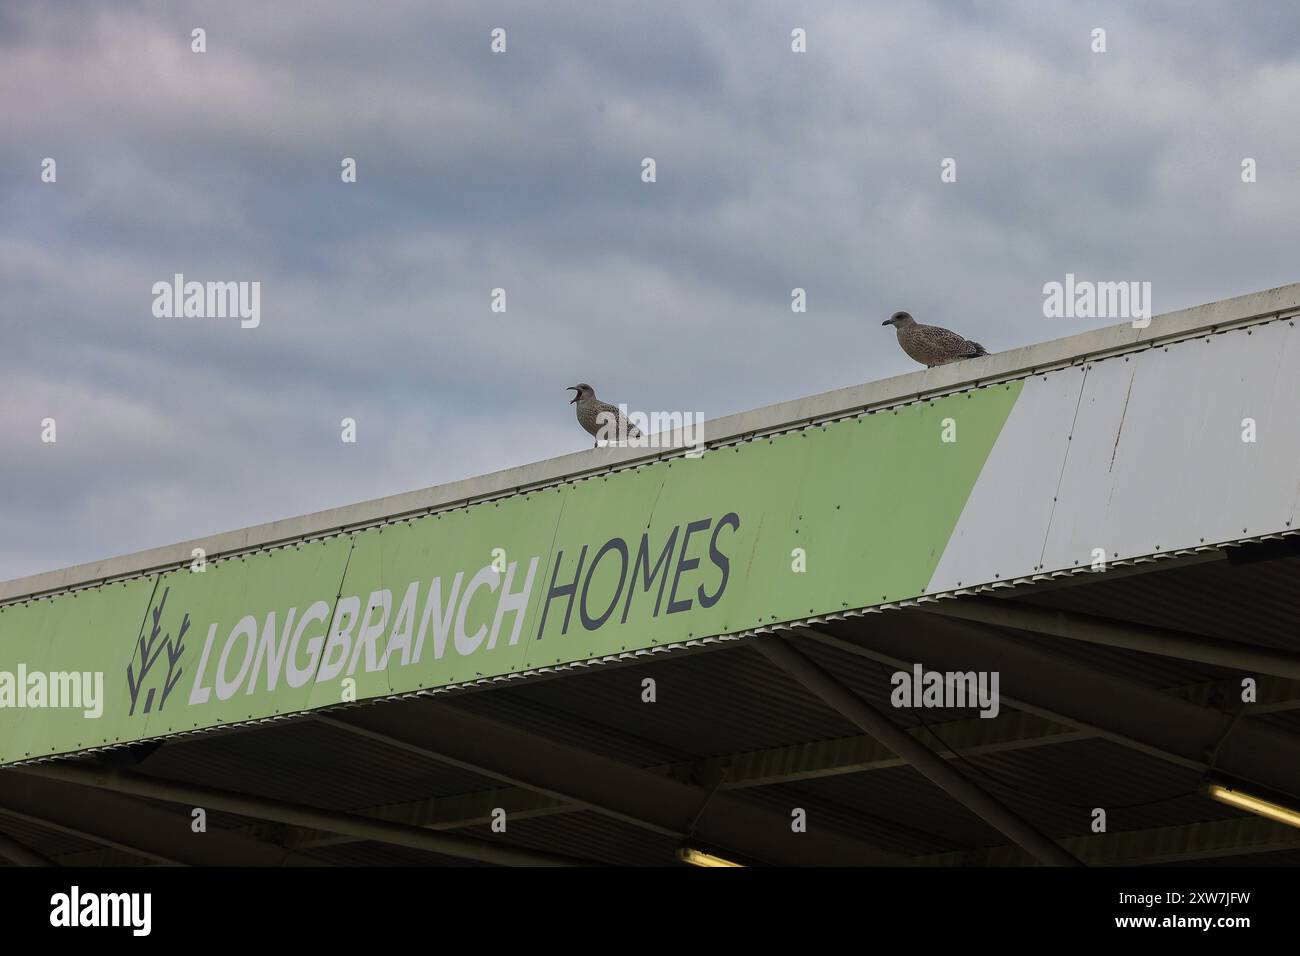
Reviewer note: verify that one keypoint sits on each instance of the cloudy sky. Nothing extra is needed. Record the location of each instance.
(522, 171)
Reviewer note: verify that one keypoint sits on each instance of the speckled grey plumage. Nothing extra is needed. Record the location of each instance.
(932, 345)
(592, 414)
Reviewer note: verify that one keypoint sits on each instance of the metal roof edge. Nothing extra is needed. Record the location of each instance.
(1001, 366)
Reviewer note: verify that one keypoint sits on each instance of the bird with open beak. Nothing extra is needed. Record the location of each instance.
(601, 419)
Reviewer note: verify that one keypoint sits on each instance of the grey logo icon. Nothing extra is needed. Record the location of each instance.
(150, 652)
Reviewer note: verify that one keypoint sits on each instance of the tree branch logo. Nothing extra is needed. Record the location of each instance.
(151, 651)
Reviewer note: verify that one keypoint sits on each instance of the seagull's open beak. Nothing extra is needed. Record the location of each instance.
(574, 389)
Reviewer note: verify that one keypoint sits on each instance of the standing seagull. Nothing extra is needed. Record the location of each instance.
(601, 419)
(929, 344)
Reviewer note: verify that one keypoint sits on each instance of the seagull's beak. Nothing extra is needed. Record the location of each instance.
(887, 322)
(574, 389)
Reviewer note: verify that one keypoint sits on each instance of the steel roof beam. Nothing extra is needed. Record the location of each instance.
(769, 767)
(980, 802)
(135, 827)
(774, 766)
(1112, 633)
(1063, 689)
(363, 828)
(615, 789)
(21, 854)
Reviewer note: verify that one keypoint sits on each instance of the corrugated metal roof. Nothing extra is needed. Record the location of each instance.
(383, 854)
(288, 759)
(44, 839)
(897, 810)
(1059, 786)
(1253, 603)
(727, 702)
(597, 838)
(723, 702)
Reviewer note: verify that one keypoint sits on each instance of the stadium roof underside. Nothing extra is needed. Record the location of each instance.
(1103, 522)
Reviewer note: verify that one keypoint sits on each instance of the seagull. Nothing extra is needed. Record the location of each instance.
(929, 344)
(600, 419)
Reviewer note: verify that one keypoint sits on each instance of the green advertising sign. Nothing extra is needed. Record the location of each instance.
(845, 515)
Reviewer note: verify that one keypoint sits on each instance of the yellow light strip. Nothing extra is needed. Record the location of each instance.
(1254, 804)
(700, 858)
